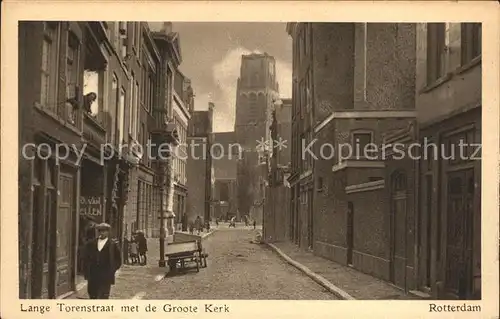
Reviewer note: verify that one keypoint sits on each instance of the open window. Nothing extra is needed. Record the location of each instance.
(94, 81)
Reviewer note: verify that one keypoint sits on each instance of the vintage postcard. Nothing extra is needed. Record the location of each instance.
(238, 159)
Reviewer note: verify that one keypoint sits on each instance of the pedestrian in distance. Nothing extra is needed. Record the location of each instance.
(142, 247)
(102, 260)
(254, 224)
(191, 227)
(133, 250)
(233, 222)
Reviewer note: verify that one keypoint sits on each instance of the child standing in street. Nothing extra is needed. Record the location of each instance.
(133, 250)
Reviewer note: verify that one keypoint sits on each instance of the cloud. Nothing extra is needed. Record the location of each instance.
(225, 75)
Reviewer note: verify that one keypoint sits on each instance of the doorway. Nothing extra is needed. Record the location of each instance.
(310, 215)
(64, 234)
(397, 256)
(459, 234)
(350, 232)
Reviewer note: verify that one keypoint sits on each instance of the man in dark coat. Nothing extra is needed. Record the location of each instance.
(102, 260)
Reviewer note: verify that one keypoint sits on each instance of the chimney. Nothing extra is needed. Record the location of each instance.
(167, 27)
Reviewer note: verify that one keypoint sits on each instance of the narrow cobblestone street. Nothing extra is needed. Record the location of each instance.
(237, 269)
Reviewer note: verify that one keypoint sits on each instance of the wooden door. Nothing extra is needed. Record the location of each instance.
(64, 234)
(310, 224)
(350, 232)
(459, 234)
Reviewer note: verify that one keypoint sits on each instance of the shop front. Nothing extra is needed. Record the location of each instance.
(55, 189)
(92, 199)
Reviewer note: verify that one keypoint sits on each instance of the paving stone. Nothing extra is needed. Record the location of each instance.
(237, 269)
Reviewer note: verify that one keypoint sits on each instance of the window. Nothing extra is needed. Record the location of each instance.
(151, 89)
(131, 106)
(123, 38)
(359, 143)
(143, 88)
(436, 50)
(121, 116)
(92, 91)
(170, 81)
(116, 36)
(148, 90)
(135, 109)
(132, 39)
(72, 75)
(137, 35)
(114, 104)
(143, 141)
(471, 41)
(48, 68)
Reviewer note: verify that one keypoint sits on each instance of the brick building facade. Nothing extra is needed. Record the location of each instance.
(92, 85)
(199, 165)
(448, 103)
(394, 217)
(341, 197)
(278, 193)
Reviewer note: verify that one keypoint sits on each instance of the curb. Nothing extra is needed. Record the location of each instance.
(314, 276)
(208, 234)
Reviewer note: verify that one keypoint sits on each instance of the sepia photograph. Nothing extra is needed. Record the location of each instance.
(250, 159)
(221, 160)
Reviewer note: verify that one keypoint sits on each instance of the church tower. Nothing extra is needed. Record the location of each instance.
(257, 90)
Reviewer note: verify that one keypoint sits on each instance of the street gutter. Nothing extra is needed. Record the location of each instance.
(314, 276)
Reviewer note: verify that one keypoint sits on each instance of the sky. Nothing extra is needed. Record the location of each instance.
(211, 58)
